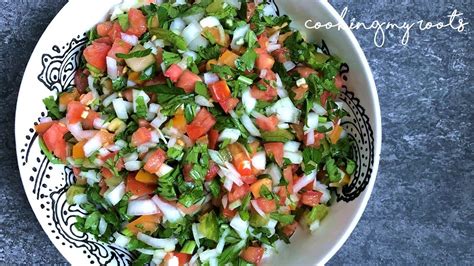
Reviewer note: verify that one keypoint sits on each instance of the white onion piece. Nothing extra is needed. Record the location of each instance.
(130, 83)
(90, 82)
(111, 67)
(231, 134)
(133, 165)
(121, 240)
(164, 170)
(202, 101)
(155, 137)
(108, 100)
(263, 73)
(305, 180)
(312, 121)
(249, 125)
(159, 120)
(294, 157)
(193, 18)
(227, 183)
(80, 134)
(80, 198)
(142, 207)
(154, 107)
(196, 234)
(140, 93)
(274, 171)
(285, 111)
(103, 152)
(259, 160)
(274, 37)
(120, 108)
(314, 225)
(102, 226)
(158, 256)
(170, 212)
(238, 36)
(146, 251)
(248, 101)
(150, 45)
(130, 39)
(292, 146)
(230, 172)
(98, 123)
(210, 78)
(273, 47)
(235, 3)
(130, 157)
(318, 109)
(310, 137)
(257, 208)
(208, 254)
(199, 42)
(213, 261)
(216, 157)
(225, 201)
(209, 22)
(115, 195)
(92, 145)
(168, 244)
(323, 189)
(278, 82)
(289, 65)
(177, 25)
(191, 54)
(46, 119)
(191, 32)
(240, 226)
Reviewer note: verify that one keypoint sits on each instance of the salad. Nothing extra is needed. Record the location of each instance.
(199, 133)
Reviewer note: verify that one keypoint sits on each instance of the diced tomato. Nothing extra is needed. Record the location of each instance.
(338, 81)
(141, 136)
(74, 112)
(240, 158)
(263, 41)
(85, 99)
(212, 172)
(103, 28)
(138, 188)
(183, 258)
(237, 192)
(106, 137)
(288, 175)
(187, 81)
(311, 198)
(88, 122)
(173, 72)
(213, 135)
(276, 150)
(248, 179)
(186, 172)
(145, 224)
(54, 140)
(264, 61)
(290, 229)
(282, 194)
(317, 139)
(114, 33)
(106, 173)
(299, 92)
(267, 123)
(155, 161)
(255, 187)
(220, 91)
(251, 6)
(280, 55)
(137, 22)
(66, 97)
(95, 55)
(104, 40)
(308, 187)
(119, 47)
(228, 213)
(42, 127)
(252, 254)
(80, 80)
(305, 71)
(120, 164)
(324, 98)
(128, 95)
(108, 156)
(229, 104)
(266, 205)
(265, 95)
(188, 210)
(201, 124)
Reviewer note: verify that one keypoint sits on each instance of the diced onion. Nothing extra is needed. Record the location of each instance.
(210, 78)
(111, 67)
(92, 145)
(120, 108)
(202, 101)
(209, 22)
(274, 37)
(79, 198)
(294, 157)
(133, 165)
(164, 170)
(225, 201)
(312, 121)
(249, 125)
(240, 226)
(257, 208)
(274, 171)
(208, 254)
(159, 120)
(310, 137)
(193, 18)
(102, 226)
(323, 189)
(130, 39)
(259, 160)
(146, 251)
(238, 36)
(115, 195)
(177, 25)
(170, 212)
(231, 173)
(80, 134)
(191, 32)
(292, 146)
(198, 43)
(248, 101)
(314, 225)
(221, 242)
(142, 207)
(289, 65)
(304, 181)
(216, 157)
(273, 47)
(231, 134)
(285, 111)
(168, 244)
(191, 54)
(318, 109)
(136, 95)
(121, 240)
(235, 3)
(235, 204)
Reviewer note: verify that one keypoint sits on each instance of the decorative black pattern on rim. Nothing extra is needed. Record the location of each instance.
(58, 74)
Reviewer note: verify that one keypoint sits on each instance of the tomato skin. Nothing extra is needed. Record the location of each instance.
(88, 122)
(138, 188)
(305, 71)
(115, 31)
(95, 55)
(237, 192)
(43, 127)
(275, 149)
(103, 28)
(201, 124)
(264, 61)
(141, 136)
(183, 258)
(213, 135)
(263, 40)
(311, 198)
(267, 95)
(266, 205)
(249, 179)
(299, 92)
(290, 229)
(317, 139)
(252, 254)
(187, 81)
(155, 161)
(74, 112)
(240, 159)
(324, 98)
(173, 72)
(267, 123)
(119, 47)
(229, 104)
(54, 140)
(288, 175)
(228, 213)
(219, 90)
(137, 22)
(212, 172)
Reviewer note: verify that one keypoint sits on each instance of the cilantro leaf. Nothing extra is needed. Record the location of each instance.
(142, 109)
(170, 37)
(136, 54)
(247, 61)
(52, 107)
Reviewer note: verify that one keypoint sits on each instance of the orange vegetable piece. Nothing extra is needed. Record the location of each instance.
(255, 187)
(145, 177)
(228, 58)
(144, 224)
(78, 150)
(335, 134)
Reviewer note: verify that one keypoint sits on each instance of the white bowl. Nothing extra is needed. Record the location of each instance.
(51, 69)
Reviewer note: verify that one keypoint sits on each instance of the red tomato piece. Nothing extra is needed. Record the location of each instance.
(42, 127)
(141, 136)
(212, 172)
(155, 161)
(183, 258)
(74, 112)
(264, 61)
(95, 55)
(266, 205)
(265, 95)
(252, 254)
(237, 192)
(280, 55)
(186, 170)
(201, 124)
(317, 139)
(338, 81)
(251, 7)
(138, 188)
(187, 81)
(228, 213)
(88, 122)
(275, 149)
(249, 179)
(106, 173)
(213, 135)
(290, 229)
(173, 72)
(104, 40)
(229, 104)
(311, 198)
(240, 158)
(263, 41)
(119, 47)
(305, 71)
(54, 140)
(220, 91)
(104, 28)
(114, 33)
(324, 98)
(288, 175)
(267, 123)
(137, 22)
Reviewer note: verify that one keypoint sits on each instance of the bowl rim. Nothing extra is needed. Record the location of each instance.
(375, 107)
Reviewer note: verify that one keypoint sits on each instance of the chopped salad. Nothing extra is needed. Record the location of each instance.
(199, 133)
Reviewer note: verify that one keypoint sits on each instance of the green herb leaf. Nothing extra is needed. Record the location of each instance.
(119, 84)
(208, 226)
(52, 107)
(136, 54)
(170, 37)
(247, 61)
(283, 218)
(142, 109)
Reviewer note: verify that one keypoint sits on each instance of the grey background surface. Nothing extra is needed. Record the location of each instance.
(421, 210)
